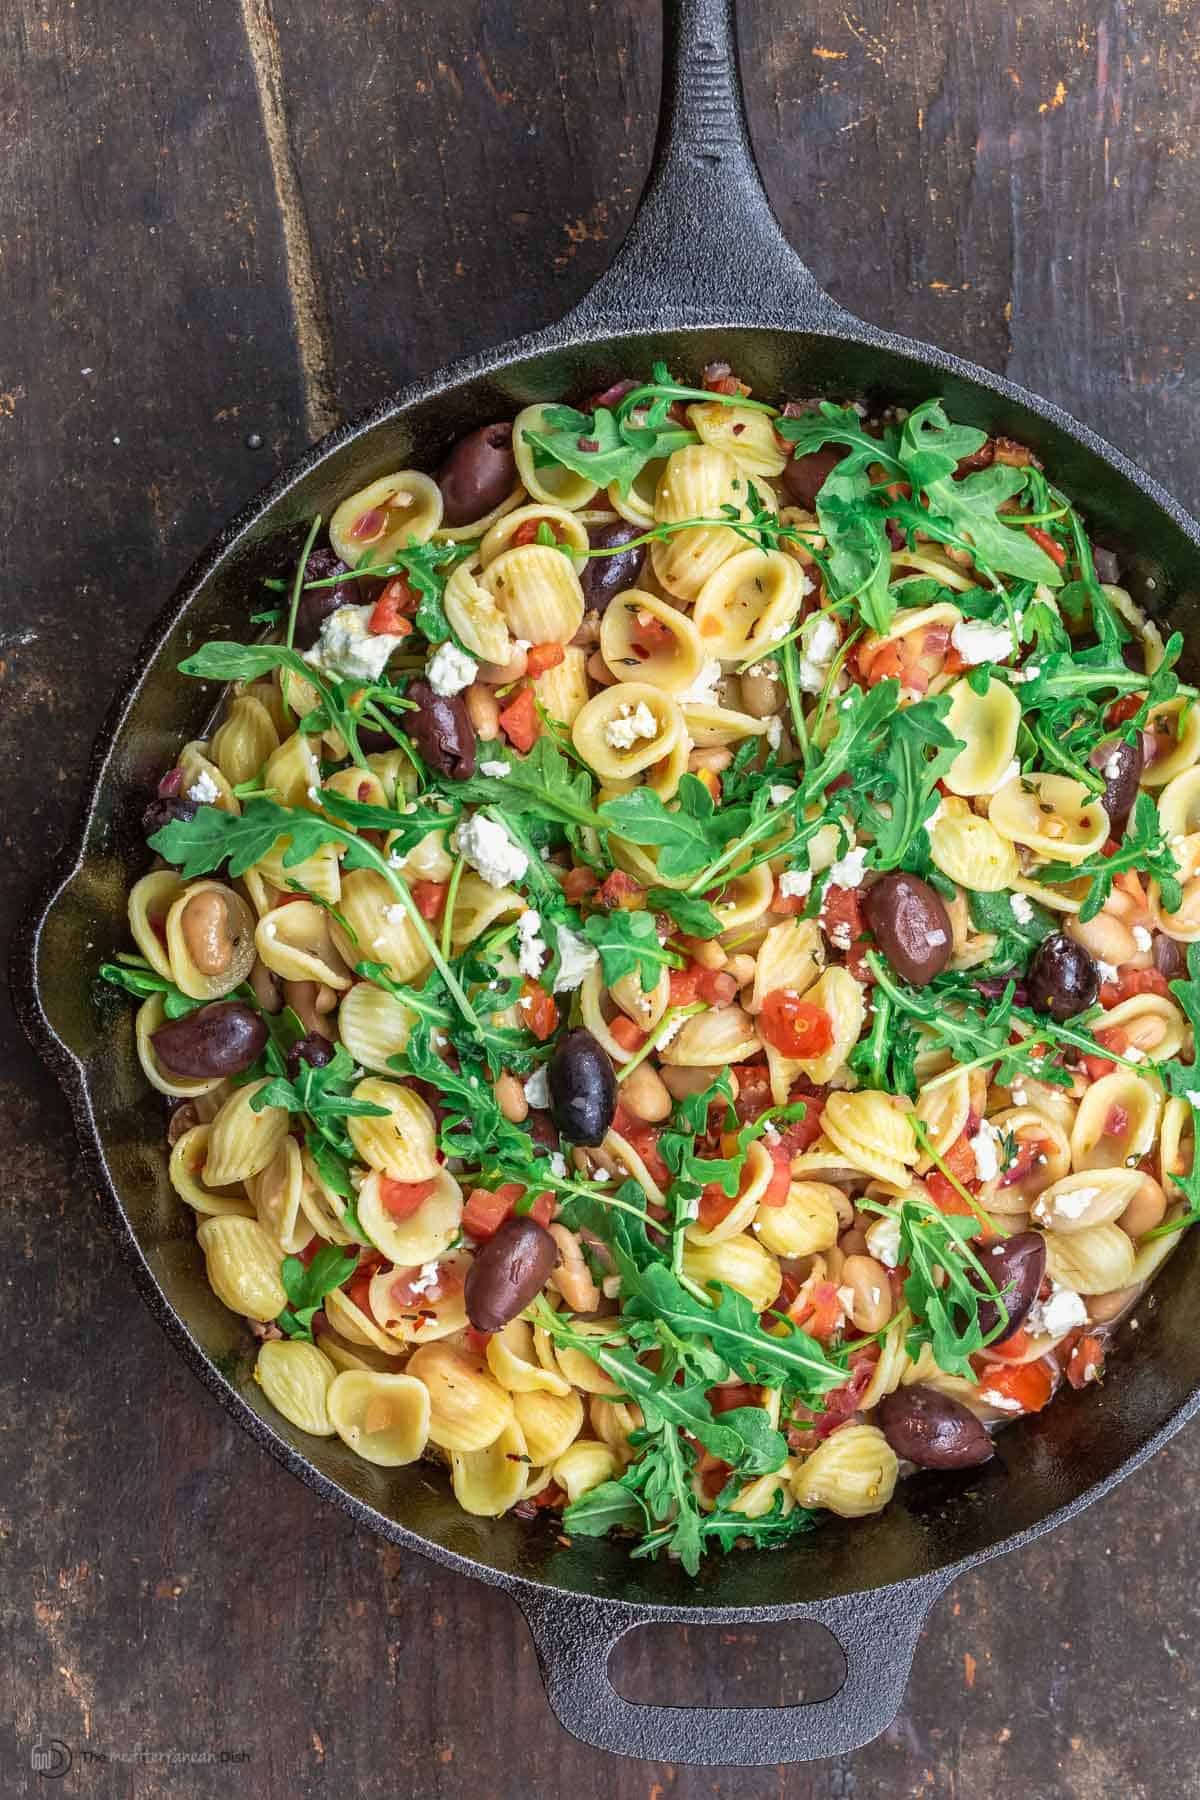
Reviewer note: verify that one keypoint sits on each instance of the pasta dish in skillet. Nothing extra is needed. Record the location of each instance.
(672, 963)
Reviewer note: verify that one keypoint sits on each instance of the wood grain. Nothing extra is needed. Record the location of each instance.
(227, 218)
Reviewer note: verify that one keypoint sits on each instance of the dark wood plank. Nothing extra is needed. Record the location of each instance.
(239, 222)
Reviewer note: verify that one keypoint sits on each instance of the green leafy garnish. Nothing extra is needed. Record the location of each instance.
(307, 1287)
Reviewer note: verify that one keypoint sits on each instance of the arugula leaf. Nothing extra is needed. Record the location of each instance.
(134, 974)
(321, 1092)
(543, 784)
(1016, 936)
(931, 446)
(1143, 847)
(694, 916)
(971, 508)
(306, 1287)
(689, 835)
(946, 1282)
(628, 943)
(906, 777)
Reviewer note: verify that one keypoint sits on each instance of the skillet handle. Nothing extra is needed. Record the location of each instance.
(704, 246)
(877, 1633)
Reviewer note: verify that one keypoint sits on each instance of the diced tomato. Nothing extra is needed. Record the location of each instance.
(789, 905)
(1029, 1384)
(1013, 1348)
(685, 985)
(628, 1035)
(542, 657)
(519, 721)
(651, 634)
(1045, 542)
(358, 1288)
(776, 1191)
(538, 1010)
(1113, 1038)
(550, 1498)
(578, 884)
(954, 661)
(840, 1405)
(401, 1199)
(884, 664)
(1087, 1361)
(799, 1134)
(841, 916)
(619, 892)
(946, 1196)
(486, 1210)
(726, 1399)
(390, 613)
(527, 532)
(1134, 981)
(1124, 708)
(960, 1158)
(716, 988)
(477, 1340)
(795, 1027)
(1116, 1121)
(643, 1138)
(754, 1090)
(818, 1310)
(430, 897)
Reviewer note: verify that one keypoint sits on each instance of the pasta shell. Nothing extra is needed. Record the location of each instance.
(245, 740)
(809, 1220)
(385, 516)
(741, 1262)
(550, 482)
(745, 1208)
(873, 1132)
(537, 590)
(294, 773)
(1093, 1261)
(373, 1026)
(568, 528)
(563, 691)
(296, 941)
(487, 1482)
(970, 850)
(1051, 814)
(1175, 726)
(475, 618)
(645, 638)
(150, 901)
(550, 1422)
(1183, 924)
(1117, 1122)
(584, 1466)
(748, 603)
(425, 1318)
(425, 1234)
(743, 432)
(625, 728)
(987, 726)
(1179, 806)
(468, 1408)
(243, 1267)
(787, 958)
(186, 1170)
(276, 1192)
(712, 1040)
(1086, 1201)
(381, 925)
(512, 1359)
(382, 1418)
(697, 483)
(242, 1142)
(296, 1379)
(403, 1143)
(853, 1473)
(1043, 1157)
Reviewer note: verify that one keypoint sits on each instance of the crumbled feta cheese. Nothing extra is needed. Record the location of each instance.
(1001, 1402)
(1022, 908)
(496, 771)
(520, 644)
(426, 1281)
(1108, 971)
(763, 668)
(1142, 938)
(774, 731)
(780, 794)
(450, 670)
(530, 947)
(314, 794)
(883, 1240)
(987, 1160)
(1074, 1203)
(848, 870)
(1134, 1055)
(818, 647)
(672, 1031)
(1112, 768)
(576, 958)
(395, 915)
(347, 646)
(976, 641)
(537, 1091)
(204, 790)
(1059, 1313)
(795, 883)
(845, 1297)
(630, 724)
(1018, 1096)
(1192, 1096)
(558, 1164)
(489, 850)
(703, 691)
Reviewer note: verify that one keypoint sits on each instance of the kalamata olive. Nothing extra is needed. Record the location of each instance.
(478, 474)
(1062, 980)
(805, 476)
(508, 1272)
(1017, 1264)
(1105, 563)
(316, 604)
(316, 1050)
(442, 731)
(911, 925)
(163, 812)
(222, 1039)
(1121, 766)
(932, 1429)
(1170, 958)
(583, 1088)
(603, 577)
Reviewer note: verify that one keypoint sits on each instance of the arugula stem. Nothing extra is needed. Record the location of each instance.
(456, 875)
(923, 1138)
(656, 1036)
(297, 587)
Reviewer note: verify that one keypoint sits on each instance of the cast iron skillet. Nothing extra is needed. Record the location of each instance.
(705, 273)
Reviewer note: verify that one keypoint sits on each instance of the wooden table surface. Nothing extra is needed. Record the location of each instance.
(225, 225)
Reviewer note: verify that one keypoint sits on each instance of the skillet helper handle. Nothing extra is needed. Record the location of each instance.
(877, 1634)
(704, 246)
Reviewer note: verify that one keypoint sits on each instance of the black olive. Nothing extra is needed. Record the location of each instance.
(222, 1039)
(441, 729)
(911, 924)
(604, 577)
(478, 474)
(316, 1050)
(1106, 564)
(508, 1272)
(1062, 980)
(932, 1429)
(1121, 765)
(164, 811)
(583, 1088)
(316, 604)
(1016, 1264)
